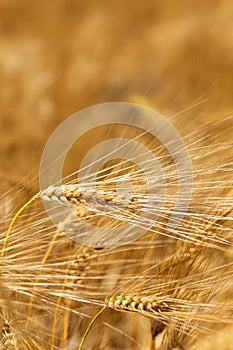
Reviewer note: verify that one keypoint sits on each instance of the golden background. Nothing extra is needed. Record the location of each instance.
(57, 57)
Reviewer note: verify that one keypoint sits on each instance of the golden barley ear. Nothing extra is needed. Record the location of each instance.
(13, 222)
(8, 340)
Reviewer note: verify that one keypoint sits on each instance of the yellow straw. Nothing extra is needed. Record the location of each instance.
(89, 327)
(13, 222)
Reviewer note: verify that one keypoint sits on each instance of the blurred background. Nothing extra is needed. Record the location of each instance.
(57, 57)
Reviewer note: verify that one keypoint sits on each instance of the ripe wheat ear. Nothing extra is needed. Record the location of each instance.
(181, 280)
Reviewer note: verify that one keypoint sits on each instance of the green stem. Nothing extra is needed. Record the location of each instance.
(89, 327)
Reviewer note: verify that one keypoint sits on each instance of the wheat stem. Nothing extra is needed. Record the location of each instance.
(45, 257)
(89, 327)
(53, 338)
(13, 222)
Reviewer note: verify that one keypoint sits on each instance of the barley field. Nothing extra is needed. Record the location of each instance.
(159, 284)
